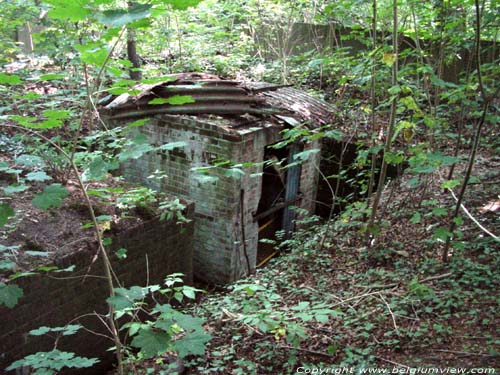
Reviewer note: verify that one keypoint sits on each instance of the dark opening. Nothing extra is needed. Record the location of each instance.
(348, 180)
(272, 194)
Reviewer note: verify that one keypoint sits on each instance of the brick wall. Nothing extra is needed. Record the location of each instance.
(219, 254)
(155, 248)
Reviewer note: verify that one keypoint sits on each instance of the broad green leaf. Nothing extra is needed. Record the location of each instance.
(120, 17)
(104, 218)
(450, 184)
(98, 169)
(51, 76)
(442, 233)
(70, 10)
(47, 362)
(334, 134)
(92, 53)
(410, 103)
(439, 211)
(170, 146)
(151, 343)
(9, 294)
(189, 292)
(192, 344)
(30, 161)
(12, 189)
(38, 176)
(394, 90)
(173, 100)
(56, 114)
(6, 212)
(415, 219)
(124, 298)
(68, 330)
(137, 123)
(182, 4)
(7, 264)
(121, 253)
(233, 172)
(301, 306)
(9, 79)
(140, 145)
(388, 59)
(304, 155)
(51, 196)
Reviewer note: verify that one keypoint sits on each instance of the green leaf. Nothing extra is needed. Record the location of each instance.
(125, 298)
(104, 218)
(51, 196)
(151, 343)
(415, 219)
(189, 292)
(335, 134)
(10, 294)
(120, 17)
(98, 169)
(68, 330)
(410, 103)
(121, 253)
(173, 100)
(388, 58)
(192, 344)
(30, 161)
(301, 306)
(170, 146)
(140, 145)
(137, 123)
(442, 233)
(439, 211)
(7, 264)
(6, 212)
(51, 76)
(38, 176)
(304, 155)
(70, 10)
(52, 362)
(9, 79)
(450, 184)
(182, 4)
(92, 53)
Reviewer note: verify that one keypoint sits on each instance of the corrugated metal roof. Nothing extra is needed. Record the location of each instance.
(215, 96)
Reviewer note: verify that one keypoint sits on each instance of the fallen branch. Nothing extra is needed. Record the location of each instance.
(464, 209)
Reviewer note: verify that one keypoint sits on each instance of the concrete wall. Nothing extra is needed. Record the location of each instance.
(219, 253)
(52, 302)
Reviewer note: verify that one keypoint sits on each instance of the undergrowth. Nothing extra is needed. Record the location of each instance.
(394, 304)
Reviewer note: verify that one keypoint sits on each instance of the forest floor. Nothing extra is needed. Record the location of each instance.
(394, 304)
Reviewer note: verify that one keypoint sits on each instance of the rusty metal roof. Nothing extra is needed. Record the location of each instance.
(215, 96)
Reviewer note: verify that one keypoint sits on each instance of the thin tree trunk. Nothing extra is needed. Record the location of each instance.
(392, 121)
(132, 55)
(477, 135)
(373, 99)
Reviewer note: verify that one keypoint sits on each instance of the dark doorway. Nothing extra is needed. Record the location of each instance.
(279, 191)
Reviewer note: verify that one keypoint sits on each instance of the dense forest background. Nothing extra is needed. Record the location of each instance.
(400, 270)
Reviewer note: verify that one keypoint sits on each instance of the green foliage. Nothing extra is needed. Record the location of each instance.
(173, 100)
(6, 212)
(48, 363)
(51, 197)
(9, 294)
(169, 329)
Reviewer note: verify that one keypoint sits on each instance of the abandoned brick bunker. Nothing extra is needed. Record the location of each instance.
(223, 155)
